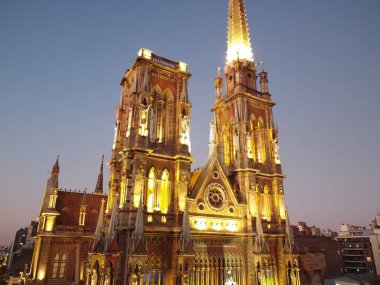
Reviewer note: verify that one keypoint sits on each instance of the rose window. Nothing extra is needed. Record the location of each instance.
(215, 196)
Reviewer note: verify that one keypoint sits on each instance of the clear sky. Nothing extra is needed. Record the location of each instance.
(61, 63)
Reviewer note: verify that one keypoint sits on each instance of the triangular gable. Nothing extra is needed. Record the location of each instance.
(207, 176)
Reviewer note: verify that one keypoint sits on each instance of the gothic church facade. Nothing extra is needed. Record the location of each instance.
(225, 223)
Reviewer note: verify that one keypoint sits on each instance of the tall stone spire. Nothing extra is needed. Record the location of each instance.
(55, 169)
(184, 95)
(185, 239)
(260, 246)
(111, 228)
(289, 246)
(139, 226)
(239, 43)
(100, 222)
(99, 183)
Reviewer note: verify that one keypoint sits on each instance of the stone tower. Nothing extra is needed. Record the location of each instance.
(224, 223)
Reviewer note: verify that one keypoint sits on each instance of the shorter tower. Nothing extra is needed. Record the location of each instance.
(66, 225)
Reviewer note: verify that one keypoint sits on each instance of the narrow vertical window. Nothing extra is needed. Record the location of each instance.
(151, 190)
(165, 192)
(59, 266)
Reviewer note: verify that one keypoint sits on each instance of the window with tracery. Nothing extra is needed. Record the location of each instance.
(165, 192)
(59, 266)
(151, 189)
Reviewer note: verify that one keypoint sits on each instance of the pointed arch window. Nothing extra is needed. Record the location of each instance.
(252, 136)
(151, 190)
(164, 192)
(226, 144)
(261, 152)
(59, 266)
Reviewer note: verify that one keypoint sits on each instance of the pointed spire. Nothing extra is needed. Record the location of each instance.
(262, 66)
(111, 227)
(99, 225)
(146, 81)
(260, 246)
(185, 237)
(184, 96)
(239, 43)
(136, 80)
(138, 233)
(212, 139)
(218, 85)
(99, 183)
(55, 169)
(54, 174)
(84, 199)
(289, 246)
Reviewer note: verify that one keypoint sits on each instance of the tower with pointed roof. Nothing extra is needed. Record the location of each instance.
(67, 223)
(225, 221)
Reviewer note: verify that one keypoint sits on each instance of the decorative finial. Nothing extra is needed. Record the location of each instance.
(262, 66)
(218, 71)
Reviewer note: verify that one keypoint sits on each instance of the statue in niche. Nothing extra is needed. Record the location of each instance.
(236, 141)
(275, 151)
(185, 126)
(185, 279)
(229, 280)
(212, 132)
(144, 114)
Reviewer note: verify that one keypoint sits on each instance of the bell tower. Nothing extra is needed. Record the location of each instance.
(246, 136)
(151, 148)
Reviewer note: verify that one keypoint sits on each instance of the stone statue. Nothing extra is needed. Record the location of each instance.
(229, 280)
(144, 119)
(275, 151)
(133, 279)
(237, 141)
(185, 126)
(212, 132)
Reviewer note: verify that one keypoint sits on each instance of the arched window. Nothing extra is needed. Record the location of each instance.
(167, 116)
(261, 153)
(59, 266)
(226, 144)
(253, 136)
(165, 192)
(151, 189)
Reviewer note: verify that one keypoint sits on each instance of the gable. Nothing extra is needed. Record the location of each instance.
(212, 192)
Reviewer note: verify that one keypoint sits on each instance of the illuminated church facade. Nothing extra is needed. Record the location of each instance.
(162, 223)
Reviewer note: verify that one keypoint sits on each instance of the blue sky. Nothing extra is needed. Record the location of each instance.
(61, 63)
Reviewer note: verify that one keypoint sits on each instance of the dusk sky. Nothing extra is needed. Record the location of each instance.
(61, 63)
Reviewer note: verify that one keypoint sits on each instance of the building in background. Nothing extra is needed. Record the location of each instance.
(22, 249)
(319, 254)
(360, 248)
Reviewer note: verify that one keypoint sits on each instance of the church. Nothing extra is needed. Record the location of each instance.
(163, 223)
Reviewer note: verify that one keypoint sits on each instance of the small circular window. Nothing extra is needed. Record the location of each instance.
(201, 206)
(215, 175)
(231, 209)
